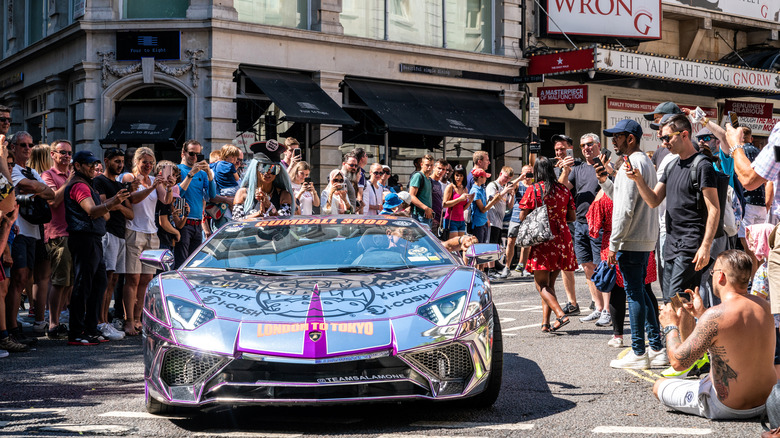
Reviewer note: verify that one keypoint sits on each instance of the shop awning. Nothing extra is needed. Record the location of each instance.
(298, 96)
(440, 112)
(143, 123)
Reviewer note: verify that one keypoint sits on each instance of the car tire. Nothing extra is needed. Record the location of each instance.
(488, 397)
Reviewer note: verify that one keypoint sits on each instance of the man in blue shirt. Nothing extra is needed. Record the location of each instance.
(201, 188)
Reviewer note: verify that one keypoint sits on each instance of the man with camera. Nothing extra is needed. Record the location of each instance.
(113, 241)
(29, 185)
(56, 240)
(201, 188)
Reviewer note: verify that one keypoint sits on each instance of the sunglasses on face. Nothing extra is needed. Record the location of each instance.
(705, 138)
(68, 153)
(377, 173)
(192, 154)
(352, 165)
(338, 180)
(590, 143)
(270, 168)
(386, 172)
(25, 145)
(5, 120)
(667, 138)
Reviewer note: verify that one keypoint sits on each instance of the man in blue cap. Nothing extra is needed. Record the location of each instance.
(634, 234)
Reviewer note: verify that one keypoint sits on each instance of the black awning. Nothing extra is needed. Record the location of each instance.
(298, 96)
(144, 123)
(440, 112)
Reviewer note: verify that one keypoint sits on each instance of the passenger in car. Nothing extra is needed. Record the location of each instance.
(270, 186)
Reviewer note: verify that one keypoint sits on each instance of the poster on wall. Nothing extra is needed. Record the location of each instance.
(637, 19)
(764, 10)
(619, 109)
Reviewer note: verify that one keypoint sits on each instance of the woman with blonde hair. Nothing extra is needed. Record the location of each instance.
(335, 194)
(141, 233)
(40, 158)
(305, 195)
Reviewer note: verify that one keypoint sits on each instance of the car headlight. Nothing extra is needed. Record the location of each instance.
(187, 315)
(153, 301)
(444, 311)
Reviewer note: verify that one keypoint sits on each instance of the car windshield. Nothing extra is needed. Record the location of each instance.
(333, 244)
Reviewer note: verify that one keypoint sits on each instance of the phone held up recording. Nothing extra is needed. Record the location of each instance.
(629, 167)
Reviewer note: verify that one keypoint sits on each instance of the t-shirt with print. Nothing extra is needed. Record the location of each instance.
(586, 186)
(477, 217)
(166, 238)
(25, 228)
(685, 223)
(496, 213)
(423, 184)
(109, 188)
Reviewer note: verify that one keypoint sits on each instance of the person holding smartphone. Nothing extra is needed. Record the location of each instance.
(335, 194)
(306, 197)
(201, 188)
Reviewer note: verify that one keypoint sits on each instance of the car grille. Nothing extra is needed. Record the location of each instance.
(450, 364)
(184, 367)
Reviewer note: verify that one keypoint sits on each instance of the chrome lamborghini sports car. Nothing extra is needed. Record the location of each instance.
(320, 310)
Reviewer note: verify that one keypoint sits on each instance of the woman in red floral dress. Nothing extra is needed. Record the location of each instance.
(548, 259)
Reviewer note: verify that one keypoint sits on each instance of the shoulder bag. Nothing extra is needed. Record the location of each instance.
(535, 228)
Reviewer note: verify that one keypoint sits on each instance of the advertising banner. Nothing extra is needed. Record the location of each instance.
(562, 95)
(764, 10)
(638, 19)
(749, 109)
(561, 62)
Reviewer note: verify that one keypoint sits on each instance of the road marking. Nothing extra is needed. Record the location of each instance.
(401, 435)
(509, 334)
(652, 430)
(503, 320)
(508, 302)
(32, 410)
(97, 429)
(471, 425)
(4, 423)
(652, 374)
(634, 373)
(519, 328)
(122, 414)
(248, 434)
(528, 309)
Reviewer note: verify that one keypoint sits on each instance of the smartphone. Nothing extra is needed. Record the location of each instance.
(297, 152)
(684, 296)
(606, 153)
(777, 152)
(200, 158)
(734, 119)
(570, 153)
(629, 167)
(178, 203)
(307, 179)
(128, 186)
(166, 172)
(598, 161)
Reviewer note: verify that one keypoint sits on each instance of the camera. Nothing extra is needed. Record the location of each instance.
(24, 200)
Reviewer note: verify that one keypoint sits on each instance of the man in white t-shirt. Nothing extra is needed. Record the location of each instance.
(373, 192)
(23, 249)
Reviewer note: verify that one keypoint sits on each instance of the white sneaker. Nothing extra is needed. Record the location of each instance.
(632, 361)
(616, 342)
(658, 358)
(114, 330)
(596, 314)
(105, 329)
(3, 353)
(40, 327)
(605, 319)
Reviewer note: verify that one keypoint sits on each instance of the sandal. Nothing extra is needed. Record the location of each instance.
(562, 321)
(545, 328)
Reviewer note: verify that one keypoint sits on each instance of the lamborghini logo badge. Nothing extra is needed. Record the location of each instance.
(315, 336)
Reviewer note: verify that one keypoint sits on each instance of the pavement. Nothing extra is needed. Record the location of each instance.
(554, 385)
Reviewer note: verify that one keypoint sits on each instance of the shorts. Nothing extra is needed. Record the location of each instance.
(23, 252)
(41, 254)
(61, 261)
(587, 249)
(698, 397)
(135, 243)
(495, 235)
(514, 230)
(114, 253)
(482, 233)
(457, 226)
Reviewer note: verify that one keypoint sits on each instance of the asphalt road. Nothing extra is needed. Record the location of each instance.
(554, 385)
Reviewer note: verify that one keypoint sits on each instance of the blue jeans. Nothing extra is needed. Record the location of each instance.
(633, 266)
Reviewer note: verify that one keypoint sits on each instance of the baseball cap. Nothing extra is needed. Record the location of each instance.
(560, 137)
(625, 125)
(703, 132)
(113, 152)
(405, 196)
(392, 200)
(664, 108)
(656, 126)
(479, 172)
(85, 157)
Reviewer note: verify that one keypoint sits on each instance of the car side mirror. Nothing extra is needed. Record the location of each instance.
(483, 253)
(159, 258)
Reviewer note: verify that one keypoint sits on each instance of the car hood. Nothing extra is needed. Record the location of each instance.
(288, 315)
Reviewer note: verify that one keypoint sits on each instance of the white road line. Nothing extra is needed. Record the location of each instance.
(528, 309)
(123, 414)
(247, 434)
(508, 302)
(652, 430)
(95, 429)
(4, 423)
(503, 320)
(508, 334)
(520, 327)
(402, 435)
(32, 410)
(471, 425)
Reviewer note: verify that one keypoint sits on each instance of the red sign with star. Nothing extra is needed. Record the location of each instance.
(561, 62)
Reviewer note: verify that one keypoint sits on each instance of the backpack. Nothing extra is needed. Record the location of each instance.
(722, 185)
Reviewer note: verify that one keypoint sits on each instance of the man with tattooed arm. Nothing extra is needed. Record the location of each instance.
(739, 336)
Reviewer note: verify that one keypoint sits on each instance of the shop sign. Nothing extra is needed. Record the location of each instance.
(749, 109)
(163, 45)
(759, 126)
(561, 62)
(638, 19)
(763, 10)
(680, 70)
(619, 109)
(533, 112)
(562, 95)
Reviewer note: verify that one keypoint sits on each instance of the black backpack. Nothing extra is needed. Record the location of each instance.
(722, 187)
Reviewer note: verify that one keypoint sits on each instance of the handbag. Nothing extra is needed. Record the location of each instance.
(535, 228)
(604, 277)
(33, 209)
(443, 231)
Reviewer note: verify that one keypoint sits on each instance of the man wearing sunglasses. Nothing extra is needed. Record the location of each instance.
(349, 167)
(5, 119)
(201, 188)
(27, 182)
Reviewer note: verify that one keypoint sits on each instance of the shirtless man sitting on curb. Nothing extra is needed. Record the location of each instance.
(739, 336)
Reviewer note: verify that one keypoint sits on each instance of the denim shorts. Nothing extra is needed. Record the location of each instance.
(457, 226)
(587, 249)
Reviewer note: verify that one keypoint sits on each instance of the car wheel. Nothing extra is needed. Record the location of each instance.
(489, 396)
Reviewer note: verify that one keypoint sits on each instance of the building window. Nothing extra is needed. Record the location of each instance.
(155, 9)
(285, 13)
(37, 13)
(468, 23)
